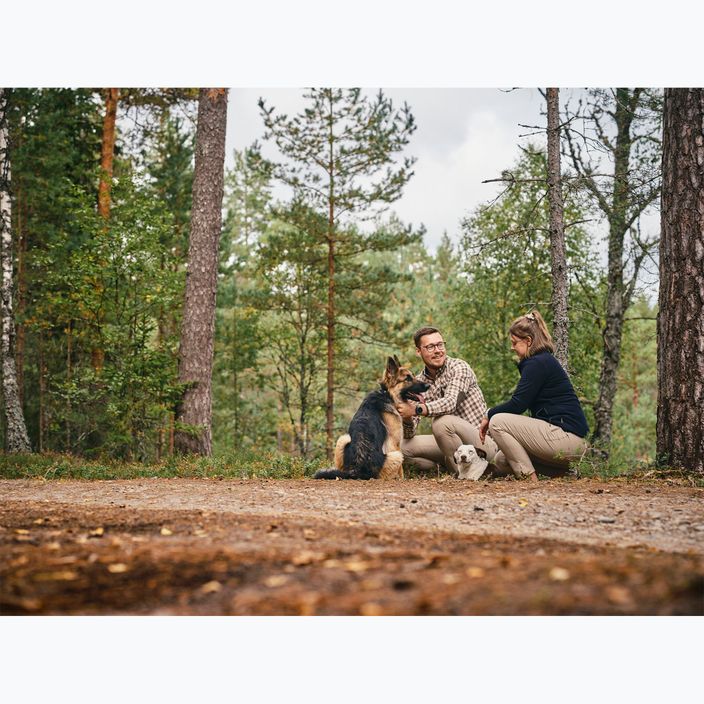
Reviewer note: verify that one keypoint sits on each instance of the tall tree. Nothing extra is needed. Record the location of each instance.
(341, 151)
(612, 143)
(680, 423)
(558, 256)
(107, 151)
(16, 439)
(198, 326)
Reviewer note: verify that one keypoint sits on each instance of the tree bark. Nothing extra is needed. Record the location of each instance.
(16, 438)
(558, 256)
(107, 151)
(680, 420)
(198, 326)
(330, 325)
(107, 154)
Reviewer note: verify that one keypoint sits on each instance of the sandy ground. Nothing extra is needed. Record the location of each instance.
(422, 546)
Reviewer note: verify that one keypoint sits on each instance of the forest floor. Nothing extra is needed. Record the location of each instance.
(421, 546)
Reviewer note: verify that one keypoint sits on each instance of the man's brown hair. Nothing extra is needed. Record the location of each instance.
(421, 332)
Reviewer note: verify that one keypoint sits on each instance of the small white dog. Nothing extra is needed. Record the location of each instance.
(469, 463)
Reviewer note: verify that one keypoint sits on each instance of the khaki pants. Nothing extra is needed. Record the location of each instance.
(448, 433)
(526, 443)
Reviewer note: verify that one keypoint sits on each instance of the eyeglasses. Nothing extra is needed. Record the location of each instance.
(437, 346)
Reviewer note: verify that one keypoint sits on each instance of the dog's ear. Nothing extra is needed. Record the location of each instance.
(392, 365)
(396, 359)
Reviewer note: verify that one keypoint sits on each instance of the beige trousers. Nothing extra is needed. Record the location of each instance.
(448, 433)
(526, 444)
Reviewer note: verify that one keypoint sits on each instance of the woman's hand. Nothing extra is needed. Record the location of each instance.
(483, 427)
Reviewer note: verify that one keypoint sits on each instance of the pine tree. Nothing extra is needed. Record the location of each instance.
(198, 326)
(680, 425)
(340, 155)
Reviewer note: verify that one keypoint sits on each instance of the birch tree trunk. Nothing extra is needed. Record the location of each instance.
(16, 439)
(558, 256)
(680, 421)
(198, 326)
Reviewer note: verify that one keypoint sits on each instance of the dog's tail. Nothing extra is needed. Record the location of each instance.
(333, 474)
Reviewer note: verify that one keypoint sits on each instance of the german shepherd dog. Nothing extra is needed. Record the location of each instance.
(371, 449)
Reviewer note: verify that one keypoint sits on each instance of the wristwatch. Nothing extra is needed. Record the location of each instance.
(419, 410)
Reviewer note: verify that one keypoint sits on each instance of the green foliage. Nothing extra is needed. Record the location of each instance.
(505, 261)
(117, 286)
(635, 405)
(110, 292)
(169, 164)
(242, 414)
(340, 150)
(240, 465)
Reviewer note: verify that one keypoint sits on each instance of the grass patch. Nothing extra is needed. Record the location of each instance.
(250, 465)
(593, 465)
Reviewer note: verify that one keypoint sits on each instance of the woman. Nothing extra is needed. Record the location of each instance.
(556, 432)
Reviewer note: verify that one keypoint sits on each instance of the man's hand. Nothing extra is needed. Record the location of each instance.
(407, 410)
(483, 427)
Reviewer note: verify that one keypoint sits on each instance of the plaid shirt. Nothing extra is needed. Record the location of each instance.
(453, 391)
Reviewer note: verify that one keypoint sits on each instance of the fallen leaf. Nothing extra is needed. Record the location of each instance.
(559, 574)
(371, 608)
(522, 502)
(53, 546)
(451, 579)
(117, 567)
(21, 531)
(309, 534)
(357, 566)
(332, 563)
(67, 560)
(200, 533)
(276, 580)
(166, 531)
(475, 572)
(210, 587)
(97, 533)
(38, 522)
(60, 576)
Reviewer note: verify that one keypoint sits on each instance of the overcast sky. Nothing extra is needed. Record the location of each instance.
(463, 136)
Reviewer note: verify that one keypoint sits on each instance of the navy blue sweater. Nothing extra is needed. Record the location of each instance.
(547, 391)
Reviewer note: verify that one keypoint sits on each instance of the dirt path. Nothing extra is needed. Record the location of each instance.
(305, 547)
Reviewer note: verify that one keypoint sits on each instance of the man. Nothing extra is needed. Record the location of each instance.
(454, 402)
